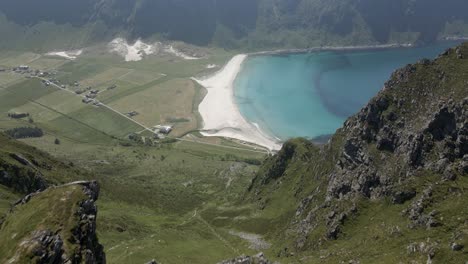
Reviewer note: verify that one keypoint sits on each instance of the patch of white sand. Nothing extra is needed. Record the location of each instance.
(221, 115)
(70, 55)
(131, 52)
(171, 50)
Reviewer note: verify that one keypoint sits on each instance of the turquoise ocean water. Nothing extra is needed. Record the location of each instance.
(312, 94)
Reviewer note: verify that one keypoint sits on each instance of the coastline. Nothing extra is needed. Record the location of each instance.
(352, 48)
(220, 113)
(332, 48)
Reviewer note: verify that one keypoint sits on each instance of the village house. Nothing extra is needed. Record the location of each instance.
(91, 95)
(163, 129)
(87, 100)
(132, 114)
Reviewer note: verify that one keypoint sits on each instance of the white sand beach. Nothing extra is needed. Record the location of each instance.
(221, 115)
(70, 55)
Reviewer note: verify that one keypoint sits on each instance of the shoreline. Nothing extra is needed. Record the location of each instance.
(353, 47)
(332, 48)
(220, 113)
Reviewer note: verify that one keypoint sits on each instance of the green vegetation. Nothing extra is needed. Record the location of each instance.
(24, 132)
(150, 195)
(332, 207)
(59, 217)
(187, 201)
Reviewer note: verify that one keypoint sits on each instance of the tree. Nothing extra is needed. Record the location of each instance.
(57, 141)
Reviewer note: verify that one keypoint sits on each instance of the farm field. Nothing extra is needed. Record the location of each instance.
(159, 90)
(164, 202)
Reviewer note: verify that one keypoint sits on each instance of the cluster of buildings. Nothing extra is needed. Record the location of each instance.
(53, 81)
(25, 69)
(90, 97)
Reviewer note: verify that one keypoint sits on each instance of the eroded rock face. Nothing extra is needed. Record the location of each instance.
(410, 129)
(24, 177)
(257, 259)
(47, 247)
(84, 234)
(445, 133)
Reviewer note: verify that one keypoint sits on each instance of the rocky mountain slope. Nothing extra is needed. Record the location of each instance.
(254, 24)
(390, 185)
(57, 225)
(51, 224)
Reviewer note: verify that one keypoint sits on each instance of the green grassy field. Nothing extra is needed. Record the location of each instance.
(160, 98)
(169, 202)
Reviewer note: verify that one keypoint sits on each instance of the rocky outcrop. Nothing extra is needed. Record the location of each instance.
(23, 177)
(47, 244)
(257, 259)
(416, 126)
(84, 234)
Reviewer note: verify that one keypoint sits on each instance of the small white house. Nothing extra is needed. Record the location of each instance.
(164, 129)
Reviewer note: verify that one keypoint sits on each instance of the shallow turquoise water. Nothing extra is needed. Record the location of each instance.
(311, 95)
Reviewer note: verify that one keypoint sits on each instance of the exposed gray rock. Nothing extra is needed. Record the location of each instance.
(45, 245)
(401, 196)
(85, 233)
(449, 174)
(459, 53)
(456, 247)
(49, 246)
(416, 211)
(257, 259)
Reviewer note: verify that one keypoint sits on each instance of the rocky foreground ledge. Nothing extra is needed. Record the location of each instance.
(57, 225)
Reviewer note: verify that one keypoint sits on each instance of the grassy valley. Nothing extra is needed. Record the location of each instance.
(155, 198)
(83, 175)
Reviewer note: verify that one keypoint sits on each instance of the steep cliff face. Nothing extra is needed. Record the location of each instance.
(405, 153)
(57, 225)
(50, 224)
(25, 169)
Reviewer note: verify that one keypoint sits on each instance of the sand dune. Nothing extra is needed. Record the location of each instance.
(131, 52)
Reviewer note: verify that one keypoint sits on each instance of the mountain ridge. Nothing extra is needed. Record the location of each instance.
(405, 152)
(234, 25)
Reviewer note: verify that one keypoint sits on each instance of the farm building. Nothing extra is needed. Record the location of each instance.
(163, 129)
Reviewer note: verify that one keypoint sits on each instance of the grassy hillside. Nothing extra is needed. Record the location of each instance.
(390, 185)
(154, 196)
(54, 226)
